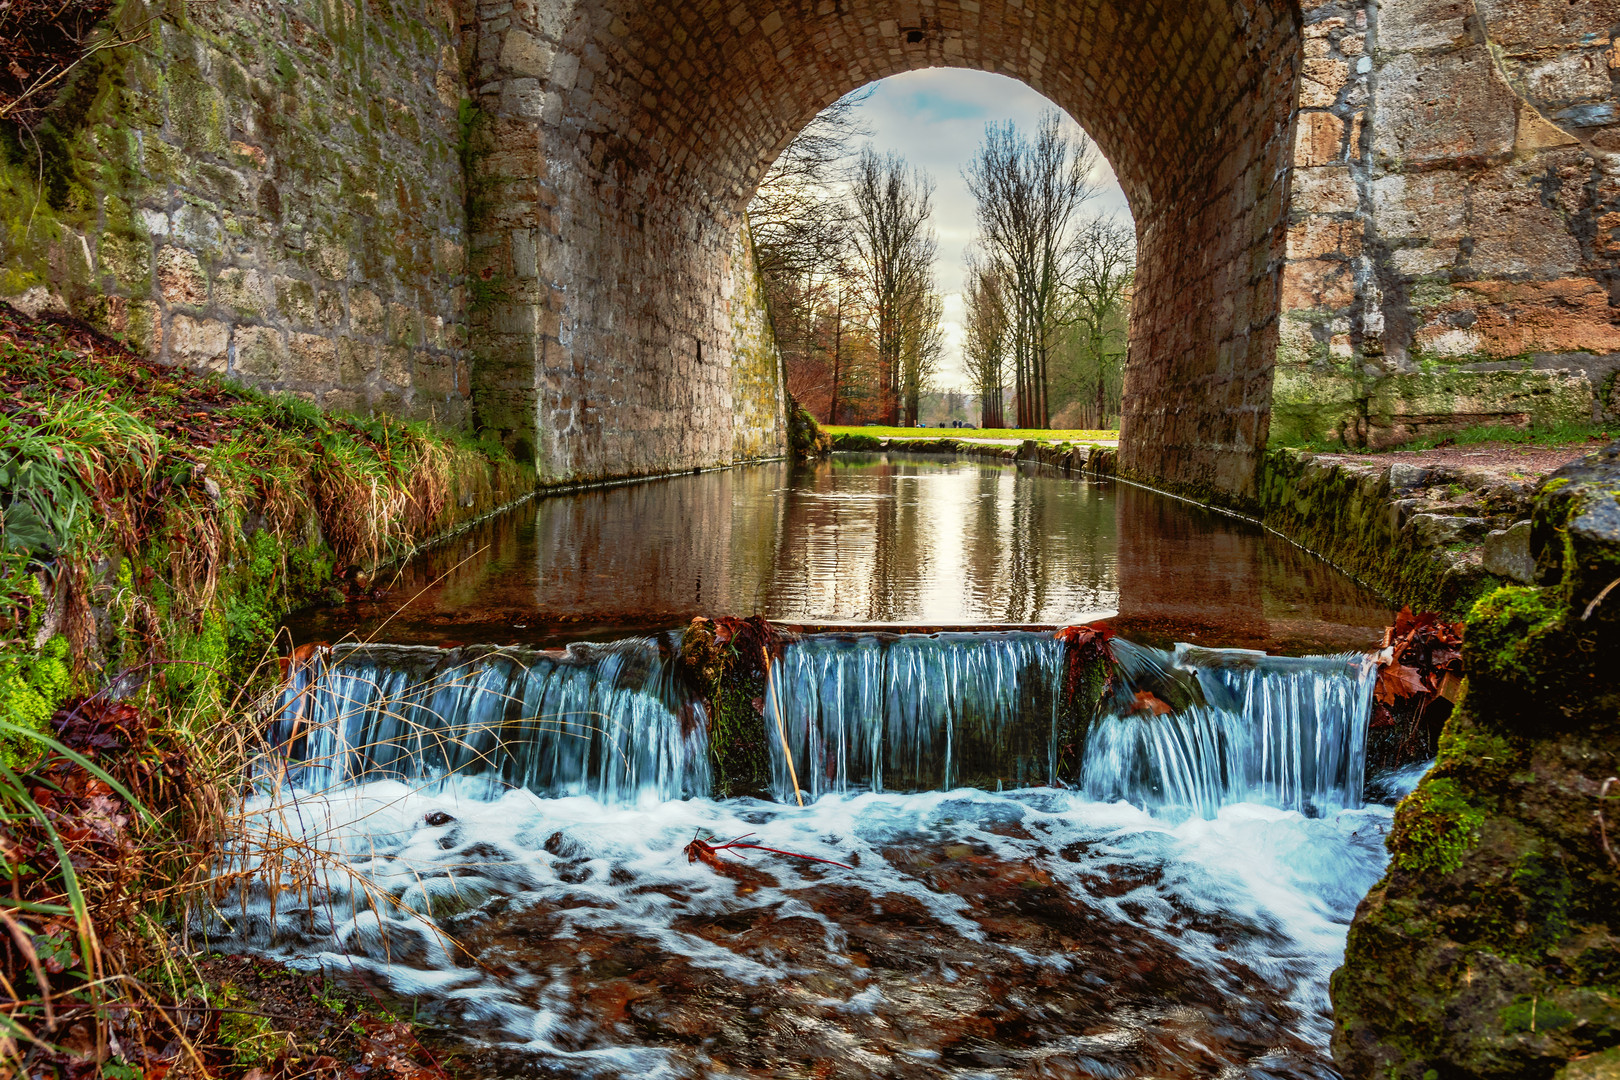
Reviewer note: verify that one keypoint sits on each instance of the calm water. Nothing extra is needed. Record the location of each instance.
(502, 835)
(879, 538)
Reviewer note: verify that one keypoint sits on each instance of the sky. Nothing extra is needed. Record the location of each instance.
(935, 118)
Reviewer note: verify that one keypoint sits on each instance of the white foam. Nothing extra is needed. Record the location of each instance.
(1290, 882)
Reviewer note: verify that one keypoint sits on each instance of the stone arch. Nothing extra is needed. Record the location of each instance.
(619, 142)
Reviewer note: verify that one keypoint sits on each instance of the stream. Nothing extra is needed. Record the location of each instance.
(490, 815)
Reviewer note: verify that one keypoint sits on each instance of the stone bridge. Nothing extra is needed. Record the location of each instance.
(526, 214)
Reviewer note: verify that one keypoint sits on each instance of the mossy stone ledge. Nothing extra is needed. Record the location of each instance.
(1491, 948)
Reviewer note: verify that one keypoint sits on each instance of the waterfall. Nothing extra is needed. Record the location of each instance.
(1283, 731)
(611, 721)
(915, 712)
(1187, 731)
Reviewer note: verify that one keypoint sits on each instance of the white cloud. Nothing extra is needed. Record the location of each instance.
(936, 119)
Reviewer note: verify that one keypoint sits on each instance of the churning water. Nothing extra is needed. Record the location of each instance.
(502, 835)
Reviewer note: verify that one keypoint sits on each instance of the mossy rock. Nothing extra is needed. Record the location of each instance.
(723, 662)
(1491, 949)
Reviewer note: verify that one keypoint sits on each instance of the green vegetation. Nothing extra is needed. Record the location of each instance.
(1037, 434)
(154, 527)
(1434, 827)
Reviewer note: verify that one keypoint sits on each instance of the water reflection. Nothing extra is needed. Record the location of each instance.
(867, 538)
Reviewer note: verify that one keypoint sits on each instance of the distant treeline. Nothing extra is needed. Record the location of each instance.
(844, 241)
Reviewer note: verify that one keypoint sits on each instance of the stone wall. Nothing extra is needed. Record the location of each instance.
(1456, 190)
(758, 381)
(269, 191)
(525, 213)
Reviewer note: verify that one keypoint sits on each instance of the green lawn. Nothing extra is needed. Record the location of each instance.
(1038, 434)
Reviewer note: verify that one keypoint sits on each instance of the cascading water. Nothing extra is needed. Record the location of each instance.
(915, 712)
(610, 721)
(1278, 731)
(859, 712)
(502, 835)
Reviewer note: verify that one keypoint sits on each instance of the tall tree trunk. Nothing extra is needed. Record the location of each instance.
(838, 342)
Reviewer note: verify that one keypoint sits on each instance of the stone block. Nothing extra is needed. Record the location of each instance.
(295, 299)
(356, 361)
(313, 360)
(435, 375)
(366, 313)
(180, 278)
(1570, 314)
(1313, 406)
(1430, 206)
(395, 366)
(1441, 530)
(1318, 236)
(1424, 261)
(1320, 82)
(1449, 107)
(1319, 139)
(1326, 190)
(242, 291)
(260, 353)
(199, 344)
(1515, 233)
(128, 259)
(1424, 25)
(1507, 553)
(347, 401)
(403, 323)
(1403, 477)
(1422, 401)
(1529, 25)
(524, 54)
(1317, 283)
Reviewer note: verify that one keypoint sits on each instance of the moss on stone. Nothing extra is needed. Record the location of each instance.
(1491, 949)
(730, 677)
(1434, 827)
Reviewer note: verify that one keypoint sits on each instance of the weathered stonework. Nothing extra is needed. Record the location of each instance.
(758, 382)
(1491, 948)
(525, 214)
(618, 142)
(1450, 250)
(271, 192)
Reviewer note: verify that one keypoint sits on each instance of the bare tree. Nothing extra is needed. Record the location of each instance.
(800, 222)
(1101, 270)
(1027, 192)
(895, 248)
(797, 215)
(922, 343)
(984, 352)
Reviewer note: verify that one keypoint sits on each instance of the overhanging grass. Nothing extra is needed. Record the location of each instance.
(1038, 434)
(154, 526)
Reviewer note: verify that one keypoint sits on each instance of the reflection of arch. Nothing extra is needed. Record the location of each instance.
(624, 139)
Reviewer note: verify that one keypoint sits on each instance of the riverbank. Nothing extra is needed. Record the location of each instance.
(155, 525)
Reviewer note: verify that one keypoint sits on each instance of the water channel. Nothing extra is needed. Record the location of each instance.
(494, 790)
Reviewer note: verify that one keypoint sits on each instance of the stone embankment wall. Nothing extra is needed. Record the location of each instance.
(280, 194)
(272, 192)
(1452, 253)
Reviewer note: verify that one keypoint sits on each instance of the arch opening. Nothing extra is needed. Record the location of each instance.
(621, 141)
